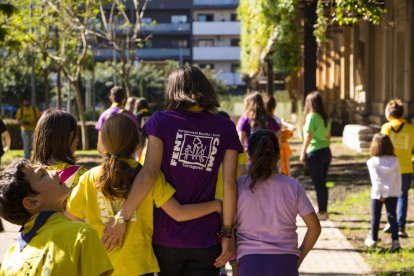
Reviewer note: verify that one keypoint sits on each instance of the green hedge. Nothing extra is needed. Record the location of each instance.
(14, 130)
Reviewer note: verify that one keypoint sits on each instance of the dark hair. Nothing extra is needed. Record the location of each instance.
(223, 114)
(141, 104)
(264, 152)
(188, 86)
(269, 104)
(53, 137)
(118, 94)
(254, 109)
(381, 145)
(395, 108)
(314, 103)
(119, 139)
(14, 187)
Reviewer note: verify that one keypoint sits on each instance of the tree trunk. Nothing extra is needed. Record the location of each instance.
(310, 48)
(81, 112)
(59, 88)
(270, 77)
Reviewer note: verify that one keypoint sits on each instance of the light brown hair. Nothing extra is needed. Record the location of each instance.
(118, 140)
(395, 108)
(188, 86)
(381, 145)
(314, 103)
(53, 137)
(255, 110)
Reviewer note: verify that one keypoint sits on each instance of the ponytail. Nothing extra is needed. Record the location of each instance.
(264, 152)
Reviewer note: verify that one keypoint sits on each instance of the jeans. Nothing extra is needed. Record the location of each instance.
(269, 265)
(390, 206)
(403, 200)
(187, 261)
(27, 142)
(318, 162)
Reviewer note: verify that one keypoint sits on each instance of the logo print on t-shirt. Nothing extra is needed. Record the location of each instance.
(400, 140)
(195, 150)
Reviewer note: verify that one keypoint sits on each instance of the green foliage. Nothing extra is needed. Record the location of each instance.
(6, 10)
(259, 20)
(345, 12)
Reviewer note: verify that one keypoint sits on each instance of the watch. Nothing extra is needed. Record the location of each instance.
(119, 219)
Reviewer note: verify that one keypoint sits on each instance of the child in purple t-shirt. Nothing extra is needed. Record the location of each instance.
(268, 203)
(188, 142)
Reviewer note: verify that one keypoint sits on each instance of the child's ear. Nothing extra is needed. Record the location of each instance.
(30, 203)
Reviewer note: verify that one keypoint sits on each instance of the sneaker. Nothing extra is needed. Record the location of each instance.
(323, 215)
(387, 228)
(395, 246)
(370, 243)
(402, 233)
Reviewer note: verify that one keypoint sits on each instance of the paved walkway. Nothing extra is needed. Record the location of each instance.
(332, 254)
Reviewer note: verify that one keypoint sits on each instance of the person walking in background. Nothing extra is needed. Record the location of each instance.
(143, 115)
(131, 104)
(188, 142)
(401, 134)
(286, 133)
(5, 135)
(27, 117)
(384, 171)
(315, 152)
(268, 204)
(117, 97)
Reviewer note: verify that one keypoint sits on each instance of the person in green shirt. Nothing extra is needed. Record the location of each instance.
(315, 149)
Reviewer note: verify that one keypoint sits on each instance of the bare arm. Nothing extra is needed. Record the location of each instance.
(184, 212)
(229, 203)
(72, 217)
(311, 236)
(7, 139)
(306, 142)
(242, 137)
(142, 185)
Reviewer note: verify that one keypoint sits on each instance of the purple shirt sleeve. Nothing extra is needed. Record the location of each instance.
(243, 124)
(153, 127)
(234, 141)
(273, 125)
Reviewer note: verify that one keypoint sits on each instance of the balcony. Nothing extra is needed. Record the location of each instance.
(216, 53)
(215, 3)
(216, 28)
(166, 28)
(230, 78)
(147, 53)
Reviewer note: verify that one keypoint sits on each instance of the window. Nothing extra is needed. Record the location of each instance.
(146, 20)
(235, 67)
(179, 19)
(233, 17)
(205, 17)
(235, 42)
(179, 43)
(205, 43)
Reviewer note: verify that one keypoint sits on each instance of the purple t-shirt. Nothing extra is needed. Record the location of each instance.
(266, 219)
(114, 110)
(244, 125)
(194, 144)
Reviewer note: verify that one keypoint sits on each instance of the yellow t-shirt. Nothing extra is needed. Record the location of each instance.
(242, 160)
(403, 142)
(62, 165)
(29, 116)
(136, 256)
(60, 247)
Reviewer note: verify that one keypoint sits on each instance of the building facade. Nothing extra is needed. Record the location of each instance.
(362, 67)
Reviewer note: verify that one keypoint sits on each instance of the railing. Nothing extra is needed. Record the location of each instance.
(216, 53)
(216, 28)
(146, 53)
(166, 27)
(215, 2)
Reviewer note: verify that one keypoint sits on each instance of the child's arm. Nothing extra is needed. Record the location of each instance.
(72, 217)
(306, 142)
(184, 212)
(311, 236)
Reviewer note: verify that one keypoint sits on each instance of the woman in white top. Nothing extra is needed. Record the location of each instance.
(384, 171)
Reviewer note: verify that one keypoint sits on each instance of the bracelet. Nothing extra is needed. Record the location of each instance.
(222, 235)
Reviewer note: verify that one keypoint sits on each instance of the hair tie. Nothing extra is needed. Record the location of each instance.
(114, 157)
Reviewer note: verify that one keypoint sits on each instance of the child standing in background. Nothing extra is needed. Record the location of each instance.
(54, 142)
(384, 171)
(268, 204)
(286, 133)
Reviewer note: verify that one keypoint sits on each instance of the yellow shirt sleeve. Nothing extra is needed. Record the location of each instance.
(77, 200)
(386, 129)
(18, 114)
(92, 258)
(162, 191)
